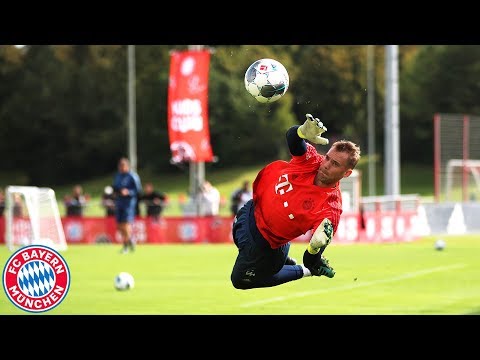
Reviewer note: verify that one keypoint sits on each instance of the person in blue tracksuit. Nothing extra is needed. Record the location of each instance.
(127, 187)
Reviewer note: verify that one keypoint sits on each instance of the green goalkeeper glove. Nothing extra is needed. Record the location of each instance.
(312, 130)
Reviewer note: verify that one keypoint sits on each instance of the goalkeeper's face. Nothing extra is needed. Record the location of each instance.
(333, 168)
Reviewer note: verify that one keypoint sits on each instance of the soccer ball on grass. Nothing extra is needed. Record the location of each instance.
(440, 244)
(124, 281)
(266, 80)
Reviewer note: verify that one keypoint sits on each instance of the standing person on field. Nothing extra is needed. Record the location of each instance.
(127, 187)
(240, 197)
(291, 199)
(209, 199)
(76, 202)
(155, 201)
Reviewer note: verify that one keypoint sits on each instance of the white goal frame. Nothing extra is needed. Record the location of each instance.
(40, 224)
(472, 166)
(456, 137)
(351, 188)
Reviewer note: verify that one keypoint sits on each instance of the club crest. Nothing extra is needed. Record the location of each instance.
(36, 278)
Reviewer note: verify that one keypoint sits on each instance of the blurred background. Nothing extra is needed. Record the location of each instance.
(65, 108)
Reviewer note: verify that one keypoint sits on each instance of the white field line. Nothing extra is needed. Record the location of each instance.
(353, 286)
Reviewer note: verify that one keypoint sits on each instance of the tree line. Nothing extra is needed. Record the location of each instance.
(63, 108)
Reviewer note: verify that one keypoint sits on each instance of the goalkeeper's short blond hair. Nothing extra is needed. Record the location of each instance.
(349, 147)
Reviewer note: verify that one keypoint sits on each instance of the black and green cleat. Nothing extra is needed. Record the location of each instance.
(322, 268)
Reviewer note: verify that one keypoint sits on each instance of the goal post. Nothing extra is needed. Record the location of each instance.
(456, 155)
(32, 217)
(351, 188)
(463, 175)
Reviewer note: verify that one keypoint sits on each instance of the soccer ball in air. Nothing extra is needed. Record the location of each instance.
(266, 80)
(124, 281)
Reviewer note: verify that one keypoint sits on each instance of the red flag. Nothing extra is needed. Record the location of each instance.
(188, 106)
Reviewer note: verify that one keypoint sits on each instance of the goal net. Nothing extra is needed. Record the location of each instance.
(463, 179)
(456, 157)
(32, 218)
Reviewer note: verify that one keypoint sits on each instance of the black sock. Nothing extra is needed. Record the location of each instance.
(310, 260)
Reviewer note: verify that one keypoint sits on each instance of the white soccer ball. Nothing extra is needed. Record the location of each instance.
(266, 80)
(124, 281)
(440, 244)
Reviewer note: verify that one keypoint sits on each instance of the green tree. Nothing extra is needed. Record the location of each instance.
(440, 78)
(238, 121)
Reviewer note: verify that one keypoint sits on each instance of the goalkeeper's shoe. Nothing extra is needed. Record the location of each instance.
(322, 236)
(290, 261)
(322, 268)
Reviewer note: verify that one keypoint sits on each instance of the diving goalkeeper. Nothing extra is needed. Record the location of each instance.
(289, 200)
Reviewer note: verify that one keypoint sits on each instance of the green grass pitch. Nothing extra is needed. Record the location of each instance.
(194, 279)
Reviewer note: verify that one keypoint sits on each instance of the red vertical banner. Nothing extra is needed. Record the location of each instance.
(188, 129)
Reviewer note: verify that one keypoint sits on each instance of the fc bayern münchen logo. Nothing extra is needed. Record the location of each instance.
(36, 278)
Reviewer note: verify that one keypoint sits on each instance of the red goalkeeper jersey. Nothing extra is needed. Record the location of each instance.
(288, 203)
